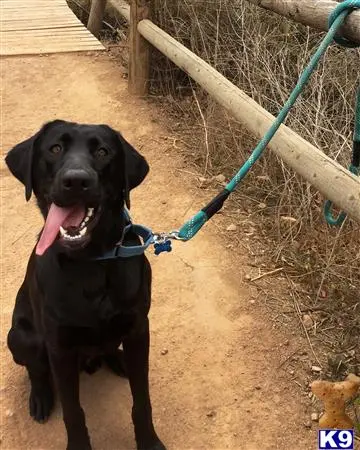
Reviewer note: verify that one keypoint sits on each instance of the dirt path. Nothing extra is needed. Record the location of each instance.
(219, 386)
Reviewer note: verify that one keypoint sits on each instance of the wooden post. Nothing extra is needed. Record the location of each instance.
(314, 13)
(96, 16)
(139, 63)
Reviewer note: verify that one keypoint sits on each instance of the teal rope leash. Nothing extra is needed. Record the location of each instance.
(192, 226)
(345, 6)
(353, 168)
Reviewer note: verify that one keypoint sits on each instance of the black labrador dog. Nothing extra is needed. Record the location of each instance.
(74, 311)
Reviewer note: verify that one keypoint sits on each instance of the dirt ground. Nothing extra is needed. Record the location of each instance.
(215, 374)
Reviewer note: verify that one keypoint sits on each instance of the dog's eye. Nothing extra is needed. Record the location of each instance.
(101, 153)
(55, 149)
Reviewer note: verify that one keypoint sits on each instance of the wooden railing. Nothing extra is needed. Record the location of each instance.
(334, 181)
(314, 13)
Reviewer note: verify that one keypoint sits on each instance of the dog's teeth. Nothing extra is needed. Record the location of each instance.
(86, 220)
(68, 236)
(90, 212)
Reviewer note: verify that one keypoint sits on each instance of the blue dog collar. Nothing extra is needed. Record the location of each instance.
(124, 251)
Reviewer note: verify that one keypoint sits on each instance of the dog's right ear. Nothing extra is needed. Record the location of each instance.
(20, 159)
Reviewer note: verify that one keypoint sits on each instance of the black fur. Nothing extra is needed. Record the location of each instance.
(73, 312)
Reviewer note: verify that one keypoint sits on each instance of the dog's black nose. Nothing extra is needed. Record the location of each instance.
(78, 180)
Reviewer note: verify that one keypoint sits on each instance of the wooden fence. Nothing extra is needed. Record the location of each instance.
(334, 181)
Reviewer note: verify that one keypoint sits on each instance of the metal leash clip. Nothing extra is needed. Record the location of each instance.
(162, 241)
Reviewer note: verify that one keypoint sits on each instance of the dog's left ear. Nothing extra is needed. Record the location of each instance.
(136, 168)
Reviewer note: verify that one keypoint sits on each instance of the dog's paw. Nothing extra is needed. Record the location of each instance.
(41, 403)
(116, 363)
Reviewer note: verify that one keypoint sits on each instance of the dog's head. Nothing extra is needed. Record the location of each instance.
(80, 175)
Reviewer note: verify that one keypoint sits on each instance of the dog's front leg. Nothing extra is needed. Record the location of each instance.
(136, 352)
(65, 368)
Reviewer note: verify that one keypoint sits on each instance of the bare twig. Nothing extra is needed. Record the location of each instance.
(287, 358)
(267, 274)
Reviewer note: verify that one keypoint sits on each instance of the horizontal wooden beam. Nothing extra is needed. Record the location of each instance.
(334, 181)
(314, 13)
(121, 7)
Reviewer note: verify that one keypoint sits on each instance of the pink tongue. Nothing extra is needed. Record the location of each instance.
(57, 217)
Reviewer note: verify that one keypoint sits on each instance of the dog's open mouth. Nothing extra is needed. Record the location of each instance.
(70, 225)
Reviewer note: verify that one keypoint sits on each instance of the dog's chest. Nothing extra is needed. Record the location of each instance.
(96, 296)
